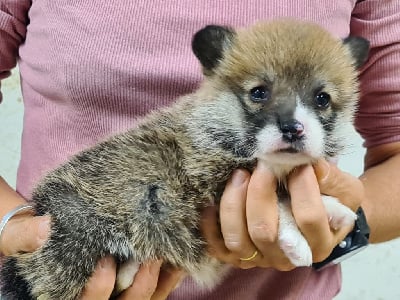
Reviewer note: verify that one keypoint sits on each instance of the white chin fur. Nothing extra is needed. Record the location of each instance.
(282, 158)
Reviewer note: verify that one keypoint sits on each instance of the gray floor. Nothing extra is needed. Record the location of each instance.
(370, 275)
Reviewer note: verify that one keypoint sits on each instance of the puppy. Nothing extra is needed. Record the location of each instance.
(280, 93)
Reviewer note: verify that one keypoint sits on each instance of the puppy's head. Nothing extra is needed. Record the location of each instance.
(281, 91)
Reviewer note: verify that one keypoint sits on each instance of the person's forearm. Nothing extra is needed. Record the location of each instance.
(9, 198)
(382, 191)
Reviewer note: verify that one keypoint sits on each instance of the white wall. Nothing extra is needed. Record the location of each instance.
(11, 114)
(370, 275)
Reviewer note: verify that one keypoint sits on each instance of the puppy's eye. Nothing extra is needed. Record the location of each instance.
(322, 99)
(260, 94)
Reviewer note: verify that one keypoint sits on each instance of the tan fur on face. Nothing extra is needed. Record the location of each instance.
(289, 49)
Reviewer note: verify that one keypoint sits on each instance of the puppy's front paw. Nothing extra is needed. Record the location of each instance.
(126, 274)
(296, 248)
(291, 241)
(339, 215)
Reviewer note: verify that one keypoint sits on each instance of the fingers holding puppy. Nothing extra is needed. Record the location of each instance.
(248, 213)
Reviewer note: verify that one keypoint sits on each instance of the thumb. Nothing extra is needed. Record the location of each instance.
(341, 185)
(24, 234)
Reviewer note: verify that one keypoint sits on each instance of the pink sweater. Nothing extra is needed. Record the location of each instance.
(89, 68)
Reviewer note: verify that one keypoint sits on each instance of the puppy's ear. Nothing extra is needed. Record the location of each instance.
(359, 49)
(209, 45)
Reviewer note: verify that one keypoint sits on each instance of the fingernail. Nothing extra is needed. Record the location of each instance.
(107, 262)
(238, 177)
(153, 266)
(153, 263)
(43, 230)
(322, 169)
(158, 263)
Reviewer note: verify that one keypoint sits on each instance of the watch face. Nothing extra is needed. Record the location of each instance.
(337, 257)
(348, 254)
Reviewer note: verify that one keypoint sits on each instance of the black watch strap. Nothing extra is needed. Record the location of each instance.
(354, 242)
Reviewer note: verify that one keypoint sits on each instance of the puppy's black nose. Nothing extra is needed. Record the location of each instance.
(292, 130)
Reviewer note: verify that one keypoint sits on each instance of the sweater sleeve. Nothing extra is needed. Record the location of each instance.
(13, 22)
(378, 116)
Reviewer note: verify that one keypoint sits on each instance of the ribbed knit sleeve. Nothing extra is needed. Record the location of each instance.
(378, 119)
(13, 22)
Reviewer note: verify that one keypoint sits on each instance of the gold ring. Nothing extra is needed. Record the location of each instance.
(253, 256)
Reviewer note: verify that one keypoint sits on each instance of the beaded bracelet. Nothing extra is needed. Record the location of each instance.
(11, 214)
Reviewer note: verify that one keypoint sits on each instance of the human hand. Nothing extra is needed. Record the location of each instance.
(24, 233)
(249, 214)
(150, 282)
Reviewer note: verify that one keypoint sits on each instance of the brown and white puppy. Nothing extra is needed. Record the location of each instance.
(280, 93)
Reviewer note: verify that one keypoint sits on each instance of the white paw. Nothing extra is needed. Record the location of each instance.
(209, 272)
(295, 247)
(339, 215)
(126, 274)
(291, 241)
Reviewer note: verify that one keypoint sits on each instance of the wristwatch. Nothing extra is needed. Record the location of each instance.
(353, 243)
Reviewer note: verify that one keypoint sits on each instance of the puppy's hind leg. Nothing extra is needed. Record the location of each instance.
(13, 286)
(57, 273)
